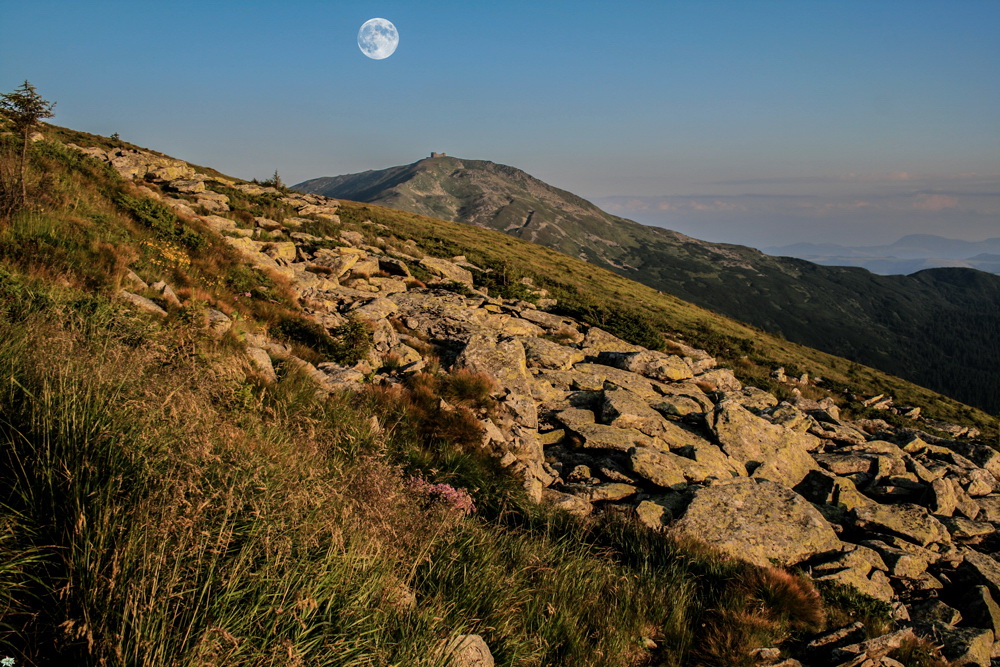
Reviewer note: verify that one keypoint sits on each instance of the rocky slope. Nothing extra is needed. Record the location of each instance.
(850, 312)
(594, 424)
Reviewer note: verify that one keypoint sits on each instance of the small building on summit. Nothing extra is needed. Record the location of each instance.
(439, 155)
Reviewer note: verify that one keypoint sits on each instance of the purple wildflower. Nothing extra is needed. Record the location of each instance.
(457, 499)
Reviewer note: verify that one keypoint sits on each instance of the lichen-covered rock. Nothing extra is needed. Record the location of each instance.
(504, 362)
(650, 364)
(251, 250)
(598, 340)
(980, 610)
(719, 379)
(599, 376)
(601, 436)
(213, 201)
(965, 646)
(679, 403)
(874, 582)
(626, 410)
(718, 464)
(376, 309)
(874, 649)
(573, 417)
(167, 292)
(595, 493)
(445, 316)
(943, 497)
(788, 466)
(542, 353)
(750, 439)
(758, 521)
(659, 511)
(568, 502)
(447, 270)
(751, 398)
(662, 468)
(824, 488)
(218, 223)
(966, 529)
(911, 522)
(982, 569)
(902, 564)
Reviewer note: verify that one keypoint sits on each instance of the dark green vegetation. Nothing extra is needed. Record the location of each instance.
(937, 328)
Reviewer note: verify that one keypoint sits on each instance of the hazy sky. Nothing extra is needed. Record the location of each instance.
(743, 121)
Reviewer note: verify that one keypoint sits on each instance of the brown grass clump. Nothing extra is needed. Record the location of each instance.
(919, 653)
(791, 598)
(413, 283)
(469, 388)
(730, 636)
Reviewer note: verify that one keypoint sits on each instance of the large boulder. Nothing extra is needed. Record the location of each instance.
(542, 353)
(982, 570)
(719, 379)
(750, 439)
(910, 522)
(447, 270)
(598, 340)
(443, 316)
(601, 436)
(787, 466)
(965, 646)
(758, 521)
(504, 362)
(651, 364)
(598, 376)
(624, 409)
(662, 468)
(718, 463)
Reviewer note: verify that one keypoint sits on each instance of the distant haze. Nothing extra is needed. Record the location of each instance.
(851, 210)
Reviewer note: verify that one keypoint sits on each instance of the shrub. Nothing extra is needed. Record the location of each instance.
(346, 345)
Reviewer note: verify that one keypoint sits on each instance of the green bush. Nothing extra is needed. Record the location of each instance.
(346, 345)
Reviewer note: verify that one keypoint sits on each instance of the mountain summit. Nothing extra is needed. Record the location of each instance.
(937, 327)
(496, 196)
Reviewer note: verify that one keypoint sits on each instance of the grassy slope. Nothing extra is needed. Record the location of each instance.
(162, 506)
(950, 316)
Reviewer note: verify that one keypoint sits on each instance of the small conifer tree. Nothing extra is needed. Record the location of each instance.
(24, 108)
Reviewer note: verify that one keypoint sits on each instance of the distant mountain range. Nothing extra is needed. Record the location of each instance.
(937, 328)
(910, 254)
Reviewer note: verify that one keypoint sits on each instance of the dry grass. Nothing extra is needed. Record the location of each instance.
(790, 598)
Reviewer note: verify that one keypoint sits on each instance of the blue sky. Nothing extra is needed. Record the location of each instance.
(713, 118)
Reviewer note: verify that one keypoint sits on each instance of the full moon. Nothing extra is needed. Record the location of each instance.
(378, 39)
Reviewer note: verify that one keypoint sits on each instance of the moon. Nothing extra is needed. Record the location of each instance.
(378, 39)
